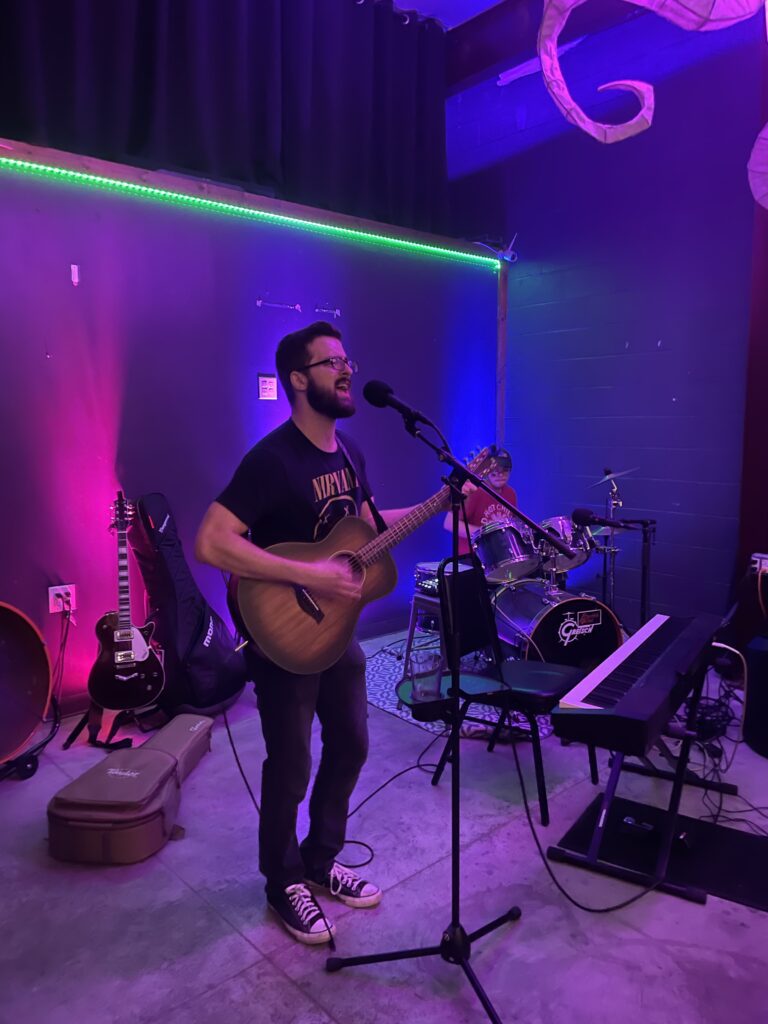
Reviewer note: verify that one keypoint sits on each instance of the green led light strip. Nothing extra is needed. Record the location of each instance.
(231, 209)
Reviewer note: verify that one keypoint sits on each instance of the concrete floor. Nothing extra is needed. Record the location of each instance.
(185, 936)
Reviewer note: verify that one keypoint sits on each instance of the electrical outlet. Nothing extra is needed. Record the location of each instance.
(759, 562)
(62, 597)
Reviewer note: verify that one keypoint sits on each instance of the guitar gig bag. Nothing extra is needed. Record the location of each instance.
(123, 809)
(203, 671)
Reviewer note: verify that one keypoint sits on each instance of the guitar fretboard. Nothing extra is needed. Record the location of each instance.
(374, 549)
(123, 582)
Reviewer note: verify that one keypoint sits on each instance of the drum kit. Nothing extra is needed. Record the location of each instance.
(536, 618)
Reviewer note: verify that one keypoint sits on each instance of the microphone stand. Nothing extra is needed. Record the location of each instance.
(455, 945)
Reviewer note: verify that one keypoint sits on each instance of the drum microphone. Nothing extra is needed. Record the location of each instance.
(381, 395)
(586, 517)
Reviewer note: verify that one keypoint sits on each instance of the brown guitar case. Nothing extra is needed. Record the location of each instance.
(124, 809)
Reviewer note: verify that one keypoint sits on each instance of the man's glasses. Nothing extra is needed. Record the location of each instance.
(336, 363)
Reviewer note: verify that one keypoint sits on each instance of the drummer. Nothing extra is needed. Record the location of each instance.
(481, 508)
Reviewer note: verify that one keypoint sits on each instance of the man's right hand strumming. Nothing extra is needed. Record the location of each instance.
(333, 578)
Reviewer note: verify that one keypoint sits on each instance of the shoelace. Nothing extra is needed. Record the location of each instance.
(303, 902)
(341, 876)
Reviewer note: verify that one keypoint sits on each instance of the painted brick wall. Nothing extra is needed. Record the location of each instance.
(144, 376)
(629, 305)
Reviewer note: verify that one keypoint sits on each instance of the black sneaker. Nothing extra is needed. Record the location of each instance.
(301, 914)
(346, 885)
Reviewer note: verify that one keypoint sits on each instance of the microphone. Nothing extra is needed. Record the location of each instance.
(586, 517)
(381, 395)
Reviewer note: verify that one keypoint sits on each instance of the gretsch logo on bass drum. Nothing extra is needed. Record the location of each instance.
(580, 624)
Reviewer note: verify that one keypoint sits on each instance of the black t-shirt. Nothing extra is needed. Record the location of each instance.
(287, 489)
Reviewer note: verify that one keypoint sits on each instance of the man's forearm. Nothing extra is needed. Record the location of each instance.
(238, 555)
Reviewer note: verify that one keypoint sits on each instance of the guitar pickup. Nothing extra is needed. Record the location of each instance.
(308, 604)
(124, 657)
(123, 634)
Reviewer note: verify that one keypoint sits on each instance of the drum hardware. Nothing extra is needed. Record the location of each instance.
(587, 519)
(613, 501)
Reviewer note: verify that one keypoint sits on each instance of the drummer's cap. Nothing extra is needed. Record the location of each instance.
(503, 459)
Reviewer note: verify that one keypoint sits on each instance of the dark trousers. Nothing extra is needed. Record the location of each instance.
(287, 705)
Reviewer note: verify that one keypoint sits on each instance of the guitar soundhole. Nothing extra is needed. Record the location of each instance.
(354, 563)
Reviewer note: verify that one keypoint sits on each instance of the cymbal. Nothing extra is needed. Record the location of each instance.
(614, 476)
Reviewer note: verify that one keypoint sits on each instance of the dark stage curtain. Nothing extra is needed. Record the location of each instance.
(334, 103)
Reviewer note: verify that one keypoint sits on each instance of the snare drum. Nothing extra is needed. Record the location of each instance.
(506, 551)
(578, 539)
(542, 624)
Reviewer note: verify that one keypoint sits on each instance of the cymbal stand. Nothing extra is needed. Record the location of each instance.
(613, 501)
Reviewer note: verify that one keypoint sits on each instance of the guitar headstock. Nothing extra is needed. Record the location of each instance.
(484, 462)
(122, 512)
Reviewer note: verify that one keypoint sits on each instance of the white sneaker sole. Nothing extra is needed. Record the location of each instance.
(308, 938)
(358, 902)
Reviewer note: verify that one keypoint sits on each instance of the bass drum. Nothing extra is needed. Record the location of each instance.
(25, 681)
(541, 624)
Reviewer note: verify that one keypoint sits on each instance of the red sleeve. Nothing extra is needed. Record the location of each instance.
(474, 505)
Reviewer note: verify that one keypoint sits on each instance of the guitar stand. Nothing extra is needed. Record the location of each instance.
(455, 945)
(93, 719)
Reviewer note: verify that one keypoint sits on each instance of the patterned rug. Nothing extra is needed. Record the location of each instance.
(384, 670)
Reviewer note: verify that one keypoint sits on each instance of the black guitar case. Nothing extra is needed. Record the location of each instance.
(203, 671)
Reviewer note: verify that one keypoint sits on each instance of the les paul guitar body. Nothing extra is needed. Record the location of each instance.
(127, 673)
(306, 634)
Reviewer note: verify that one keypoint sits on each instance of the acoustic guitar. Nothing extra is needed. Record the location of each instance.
(304, 634)
(127, 674)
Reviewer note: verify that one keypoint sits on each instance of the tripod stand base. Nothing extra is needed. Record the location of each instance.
(455, 948)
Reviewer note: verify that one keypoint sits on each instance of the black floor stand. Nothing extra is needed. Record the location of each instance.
(455, 945)
(604, 820)
(650, 770)
(93, 718)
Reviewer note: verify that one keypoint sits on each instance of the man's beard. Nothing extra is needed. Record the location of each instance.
(330, 404)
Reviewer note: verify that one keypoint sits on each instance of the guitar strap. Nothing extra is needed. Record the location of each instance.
(377, 517)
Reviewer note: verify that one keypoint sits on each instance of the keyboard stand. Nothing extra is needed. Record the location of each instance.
(649, 769)
(592, 861)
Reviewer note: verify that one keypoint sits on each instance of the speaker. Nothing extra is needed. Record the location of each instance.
(756, 709)
(25, 681)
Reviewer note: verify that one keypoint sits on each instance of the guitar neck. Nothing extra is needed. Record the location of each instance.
(411, 521)
(123, 582)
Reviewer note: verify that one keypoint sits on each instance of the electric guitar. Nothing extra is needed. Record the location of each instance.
(127, 674)
(304, 634)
